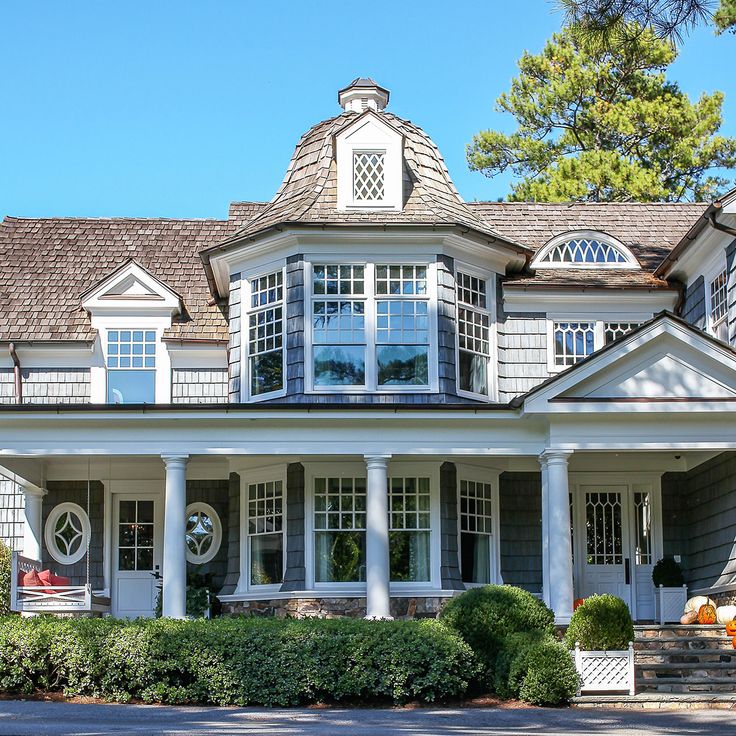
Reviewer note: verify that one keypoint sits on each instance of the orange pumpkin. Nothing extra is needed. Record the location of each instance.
(579, 602)
(731, 628)
(707, 614)
(733, 641)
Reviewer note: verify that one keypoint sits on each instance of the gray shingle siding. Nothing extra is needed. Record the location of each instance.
(233, 535)
(294, 326)
(75, 491)
(674, 517)
(520, 502)
(693, 307)
(215, 493)
(731, 268)
(199, 385)
(449, 561)
(7, 386)
(47, 385)
(12, 514)
(295, 573)
(233, 348)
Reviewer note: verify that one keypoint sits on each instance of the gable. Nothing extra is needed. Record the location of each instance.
(664, 362)
(131, 287)
(369, 131)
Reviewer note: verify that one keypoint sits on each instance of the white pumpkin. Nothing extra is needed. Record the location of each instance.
(724, 614)
(693, 604)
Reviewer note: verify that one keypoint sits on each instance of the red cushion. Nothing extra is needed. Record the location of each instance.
(31, 579)
(60, 580)
(48, 578)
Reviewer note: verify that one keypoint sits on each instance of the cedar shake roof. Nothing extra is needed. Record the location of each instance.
(308, 193)
(48, 263)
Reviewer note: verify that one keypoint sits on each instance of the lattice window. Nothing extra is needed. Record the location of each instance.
(718, 307)
(267, 289)
(643, 515)
(475, 507)
(474, 334)
(131, 349)
(404, 280)
(614, 330)
(265, 507)
(474, 331)
(338, 322)
(265, 532)
(333, 279)
(471, 290)
(582, 251)
(369, 174)
(135, 535)
(266, 331)
(339, 503)
(603, 527)
(409, 501)
(573, 341)
(402, 322)
(266, 334)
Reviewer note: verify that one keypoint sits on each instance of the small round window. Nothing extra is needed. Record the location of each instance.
(67, 533)
(204, 533)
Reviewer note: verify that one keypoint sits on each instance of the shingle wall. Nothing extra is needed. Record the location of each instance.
(450, 560)
(47, 385)
(215, 493)
(199, 385)
(693, 308)
(12, 504)
(233, 535)
(295, 573)
(233, 348)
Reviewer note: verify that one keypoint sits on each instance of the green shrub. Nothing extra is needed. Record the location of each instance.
(601, 622)
(546, 672)
(512, 646)
(243, 661)
(485, 616)
(668, 573)
(5, 561)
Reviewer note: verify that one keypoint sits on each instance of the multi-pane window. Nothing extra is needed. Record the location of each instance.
(135, 535)
(573, 341)
(643, 516)
(409, 529)
(614, 330)
(347, 300)
(369, 176)
(266, 334)
(339, 529)
(131, 366)
(266, 532)
(582, 252)
(718, 306)
(475, 531)
(474, 334)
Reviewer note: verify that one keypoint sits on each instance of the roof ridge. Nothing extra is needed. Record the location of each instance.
(113, 219)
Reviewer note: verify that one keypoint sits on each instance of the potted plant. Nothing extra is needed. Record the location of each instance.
(670, 591)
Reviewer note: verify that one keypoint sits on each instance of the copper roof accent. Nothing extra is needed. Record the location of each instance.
(48, 263)
(308, 193)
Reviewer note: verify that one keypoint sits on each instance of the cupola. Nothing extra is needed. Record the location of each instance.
(363, 94)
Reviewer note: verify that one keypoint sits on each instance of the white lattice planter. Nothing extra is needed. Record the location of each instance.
(669, 604)
(609, 671)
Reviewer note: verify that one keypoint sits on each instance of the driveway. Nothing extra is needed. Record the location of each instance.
(29, 718)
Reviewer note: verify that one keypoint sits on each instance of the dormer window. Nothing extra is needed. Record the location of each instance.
(369, 176)
(131, 366)
(584, 249)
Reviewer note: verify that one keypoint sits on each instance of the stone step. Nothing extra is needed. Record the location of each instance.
(684, 668)
(689, 685)
(675, 656)
(658, 701)
(685, 642)
(644, 633)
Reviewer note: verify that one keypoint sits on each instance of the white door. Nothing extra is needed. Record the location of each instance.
(604, 538)
(137, 538)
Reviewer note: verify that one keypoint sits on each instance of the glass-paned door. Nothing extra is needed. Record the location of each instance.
(137, 555)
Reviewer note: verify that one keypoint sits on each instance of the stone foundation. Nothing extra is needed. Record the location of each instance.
(401, 608)
(727, 598)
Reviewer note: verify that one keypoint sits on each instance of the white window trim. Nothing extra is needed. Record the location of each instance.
(245, 311)
(714, 271)
(631, 261)
(371, 377)
(358, 470)
(50, 539)
(490, 310)
(482, 475)
(248, 478)
(211, 553)
(599, 331)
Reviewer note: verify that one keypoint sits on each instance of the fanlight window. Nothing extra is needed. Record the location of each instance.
(203, 531)
(67, 533)
(584, 250)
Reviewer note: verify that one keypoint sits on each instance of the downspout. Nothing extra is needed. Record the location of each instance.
(16, 371)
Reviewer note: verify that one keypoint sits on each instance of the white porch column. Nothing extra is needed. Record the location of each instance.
(33, 527)
(376, 538)
(175, 557)
(558, 539)
(545, 532)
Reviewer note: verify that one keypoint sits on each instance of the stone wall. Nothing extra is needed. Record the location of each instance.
(404, 608)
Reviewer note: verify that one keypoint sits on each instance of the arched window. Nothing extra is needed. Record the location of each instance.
(67, 533)
(584, 249)
(204, 533)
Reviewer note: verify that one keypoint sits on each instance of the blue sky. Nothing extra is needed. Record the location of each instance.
(175, 108)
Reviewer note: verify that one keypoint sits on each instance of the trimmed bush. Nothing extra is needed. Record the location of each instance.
(5, 564)
(668, 573)
(485, 616)
(549, 676)
(244, 661)
(513, 646)
(601, 622)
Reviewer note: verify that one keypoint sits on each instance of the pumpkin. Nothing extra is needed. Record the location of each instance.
(733, 641)
(731, 628)
(579, 602)
(689, 618)
(707, 614)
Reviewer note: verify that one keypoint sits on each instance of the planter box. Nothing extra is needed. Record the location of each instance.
(609, 671)
(669, 604)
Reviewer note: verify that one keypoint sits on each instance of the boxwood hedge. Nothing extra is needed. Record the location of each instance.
(237, 661)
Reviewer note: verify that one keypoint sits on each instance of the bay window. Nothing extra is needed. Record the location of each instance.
(474, 334)
(265, 336)
(371, 327)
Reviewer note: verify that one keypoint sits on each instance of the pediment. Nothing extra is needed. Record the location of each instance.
(666, 361)
(131, 287)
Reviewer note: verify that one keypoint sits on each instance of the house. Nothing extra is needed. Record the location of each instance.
(367, 395)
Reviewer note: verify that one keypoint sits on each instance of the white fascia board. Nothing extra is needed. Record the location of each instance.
(78, 355)
(709, 247)
(519, 300)
(192, 355)
(258, 254)
(539, 401)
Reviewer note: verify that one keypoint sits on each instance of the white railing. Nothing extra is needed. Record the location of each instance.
(605, 671)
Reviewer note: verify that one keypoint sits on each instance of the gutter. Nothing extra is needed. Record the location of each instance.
(17, 373)
(718, 225)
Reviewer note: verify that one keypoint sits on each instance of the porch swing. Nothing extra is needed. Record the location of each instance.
(50, 593)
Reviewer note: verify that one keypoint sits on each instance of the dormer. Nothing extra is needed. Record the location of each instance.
(368, 153)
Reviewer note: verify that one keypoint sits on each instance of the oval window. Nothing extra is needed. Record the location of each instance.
(204, 533)
(67, 533)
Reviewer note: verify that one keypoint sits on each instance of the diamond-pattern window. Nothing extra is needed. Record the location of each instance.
(604, 545)
(369, 176)
(584, 251)
(614, 330)
(573, 341)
